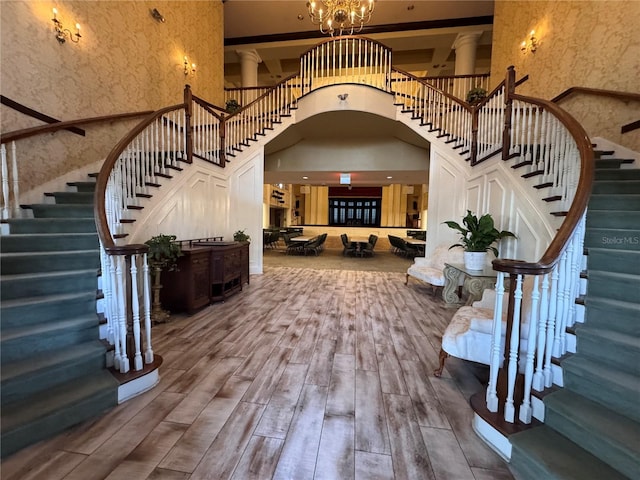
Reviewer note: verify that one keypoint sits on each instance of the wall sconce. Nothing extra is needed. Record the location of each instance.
(531, 45)
(62, 34)
(189, 69)
(157, 15)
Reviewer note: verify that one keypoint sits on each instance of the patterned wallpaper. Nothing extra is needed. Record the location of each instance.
(581, 43)
(125, 61)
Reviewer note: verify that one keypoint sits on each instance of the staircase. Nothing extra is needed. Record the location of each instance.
(53, 363)
(592, 426)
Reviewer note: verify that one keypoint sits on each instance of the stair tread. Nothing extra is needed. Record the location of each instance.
(597, 420)
(15, 302)
(16, 414)
(44, 328)
(598, 369)
(624, 339)
(49, 253)
(560, 456)
(613, 275)
(37, 362)
(22, 276)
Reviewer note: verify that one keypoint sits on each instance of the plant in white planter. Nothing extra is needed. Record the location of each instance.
(477, 237)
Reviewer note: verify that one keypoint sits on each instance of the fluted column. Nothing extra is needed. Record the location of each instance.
(465, 46)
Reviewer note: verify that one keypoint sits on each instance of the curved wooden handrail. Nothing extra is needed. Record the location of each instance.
(444, 77)
(486, 99)
(417, 79)
(625, 96)
(578, 206)
(54, 127)
(30, 112)
(344, 37)
(99, 212)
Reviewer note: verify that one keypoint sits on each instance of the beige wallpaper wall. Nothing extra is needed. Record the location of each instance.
(125, 61)
(581, 43)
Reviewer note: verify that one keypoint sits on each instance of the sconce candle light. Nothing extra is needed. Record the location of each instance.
(189, 68)
(62, 34)
(531, 45)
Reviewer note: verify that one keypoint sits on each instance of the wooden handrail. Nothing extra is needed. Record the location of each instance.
(578, 206)
(242, 109)
(103, 177)
(629, 127)
(474, 75)
(19, 107)
(209, 107)
(41, 129)
(625, 96)
(417, 79)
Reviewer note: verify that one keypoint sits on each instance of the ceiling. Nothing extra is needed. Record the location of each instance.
(421, 34)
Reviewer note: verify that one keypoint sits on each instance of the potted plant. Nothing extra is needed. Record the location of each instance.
(240, 236)
(163, 255)
(232, 105)
(476, 95)
(477, 237)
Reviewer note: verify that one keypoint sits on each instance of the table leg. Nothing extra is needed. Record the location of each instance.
(451, 282)
(475, 286)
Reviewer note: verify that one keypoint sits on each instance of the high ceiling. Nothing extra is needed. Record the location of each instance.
(421, 34)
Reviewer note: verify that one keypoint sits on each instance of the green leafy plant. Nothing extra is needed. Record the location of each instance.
(240, 236)
(478, 234)
(232, 105)
(164, 252)
(476, 94)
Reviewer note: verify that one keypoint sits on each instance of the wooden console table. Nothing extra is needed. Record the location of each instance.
(207, 272)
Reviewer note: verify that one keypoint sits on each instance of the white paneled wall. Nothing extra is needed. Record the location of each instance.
(490, 187)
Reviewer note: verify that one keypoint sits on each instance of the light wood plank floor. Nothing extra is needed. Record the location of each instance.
(306, 374)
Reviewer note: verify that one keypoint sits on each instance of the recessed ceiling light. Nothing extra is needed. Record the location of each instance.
(305, 178)
(389, 177)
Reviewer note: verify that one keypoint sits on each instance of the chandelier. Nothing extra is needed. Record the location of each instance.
(340, 16)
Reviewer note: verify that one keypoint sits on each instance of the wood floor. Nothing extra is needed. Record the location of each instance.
(306, 374)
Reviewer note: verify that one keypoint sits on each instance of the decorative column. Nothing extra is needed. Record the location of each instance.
(465, 47)
(249, 60)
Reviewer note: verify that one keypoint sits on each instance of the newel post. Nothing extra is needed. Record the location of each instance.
(223, 147)
(475, 114)
(188, 111)
(509, 89)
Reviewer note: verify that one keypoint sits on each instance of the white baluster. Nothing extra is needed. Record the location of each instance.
(525, 408)
(514, 344)
(551, 325)
(561, 312)
(16, 185)
(496, 333)
(5, 183)
(135, 310)
(121, 314)
(541, 339)
(148, 354)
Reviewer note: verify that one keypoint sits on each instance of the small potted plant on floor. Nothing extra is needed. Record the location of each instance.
(163, 254)
(477, 237)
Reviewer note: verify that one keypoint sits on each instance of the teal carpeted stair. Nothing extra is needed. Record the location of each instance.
(592, 425)
(53, 363)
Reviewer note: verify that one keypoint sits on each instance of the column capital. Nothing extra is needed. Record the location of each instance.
(251, 55)
(467, 38)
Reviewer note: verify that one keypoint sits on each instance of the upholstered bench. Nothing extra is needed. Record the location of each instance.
(468, 335)
(430, 270)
